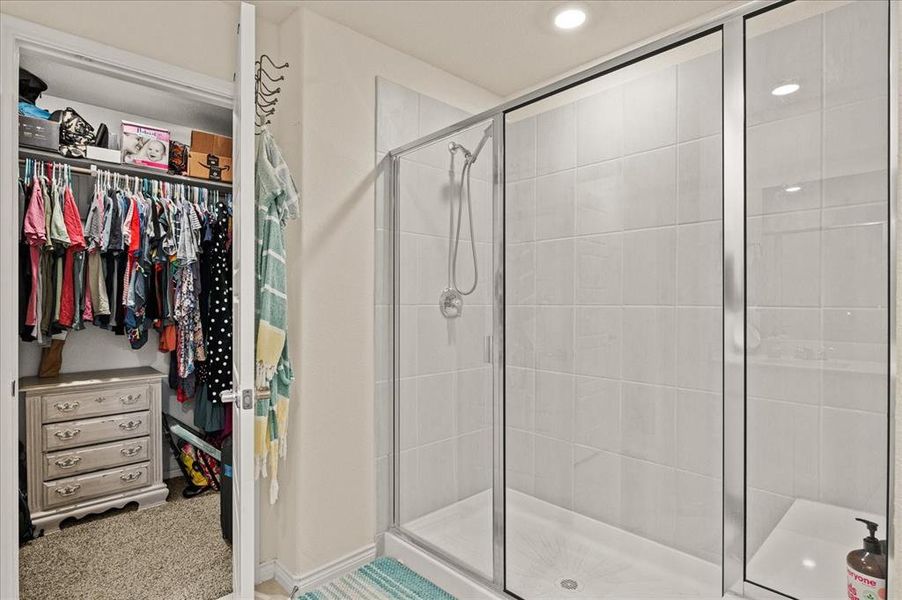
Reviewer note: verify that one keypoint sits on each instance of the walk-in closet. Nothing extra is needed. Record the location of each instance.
(129, 234)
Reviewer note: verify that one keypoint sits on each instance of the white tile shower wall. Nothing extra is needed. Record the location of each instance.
(817, 270)
(445, 386)
(614, 290)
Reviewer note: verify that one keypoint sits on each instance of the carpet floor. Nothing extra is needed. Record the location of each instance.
(382, 579)
(174, 551)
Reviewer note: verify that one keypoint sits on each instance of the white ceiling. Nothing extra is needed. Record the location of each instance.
(504, 46)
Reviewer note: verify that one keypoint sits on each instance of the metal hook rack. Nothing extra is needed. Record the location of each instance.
(266, 98)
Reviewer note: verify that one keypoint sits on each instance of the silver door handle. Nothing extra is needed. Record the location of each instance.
(245, 396)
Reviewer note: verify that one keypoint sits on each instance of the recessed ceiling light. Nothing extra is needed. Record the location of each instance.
(792, 188)
(785, 89)
(808, 563)
(569, 18)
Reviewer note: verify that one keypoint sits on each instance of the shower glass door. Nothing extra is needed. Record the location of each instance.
(614, 333)
(444, 315)
(817, 267)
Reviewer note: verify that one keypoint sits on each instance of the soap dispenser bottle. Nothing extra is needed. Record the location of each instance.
(866, 568)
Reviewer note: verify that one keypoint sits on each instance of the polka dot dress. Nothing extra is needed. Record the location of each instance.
(219, 327)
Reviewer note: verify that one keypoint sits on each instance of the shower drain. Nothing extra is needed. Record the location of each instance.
(569, 584)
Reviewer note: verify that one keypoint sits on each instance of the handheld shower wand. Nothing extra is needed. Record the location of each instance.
(451, 298)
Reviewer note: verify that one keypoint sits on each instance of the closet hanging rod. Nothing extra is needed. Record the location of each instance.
(86, 167)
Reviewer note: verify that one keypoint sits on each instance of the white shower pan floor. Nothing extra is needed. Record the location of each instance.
(548, 544)
(805, 555)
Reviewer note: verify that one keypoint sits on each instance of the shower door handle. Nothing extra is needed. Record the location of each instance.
(487, 350)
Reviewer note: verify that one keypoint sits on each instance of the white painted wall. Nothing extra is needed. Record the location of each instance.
(328, 137)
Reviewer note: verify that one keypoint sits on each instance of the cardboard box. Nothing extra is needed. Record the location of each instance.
(145, 145)
(209, 166)
(104, 154)
(210, 156)
(39, 133)
(211, 143)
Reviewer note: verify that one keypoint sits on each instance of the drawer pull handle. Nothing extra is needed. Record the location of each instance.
(130, 476)
(68, 462)
(66, 406)
(131, 451)
(68, 434)
(99, 399)
(130, 399)
(130, 425)
(68, 490)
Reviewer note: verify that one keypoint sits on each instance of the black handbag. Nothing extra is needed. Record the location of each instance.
(102, 136)
(76, 134)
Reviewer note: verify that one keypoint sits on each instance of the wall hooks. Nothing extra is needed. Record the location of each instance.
(266, 98)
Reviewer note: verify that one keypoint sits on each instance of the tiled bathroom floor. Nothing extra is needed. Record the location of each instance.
(547, 544)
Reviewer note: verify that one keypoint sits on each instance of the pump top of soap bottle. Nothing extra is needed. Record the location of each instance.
(866, 568)
(871, 543)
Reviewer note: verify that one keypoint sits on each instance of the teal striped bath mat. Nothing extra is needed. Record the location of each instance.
(383, 579)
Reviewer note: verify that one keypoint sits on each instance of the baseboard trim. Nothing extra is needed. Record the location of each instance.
(274, 569)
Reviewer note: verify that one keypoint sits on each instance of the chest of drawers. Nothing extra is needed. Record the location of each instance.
(93, 443)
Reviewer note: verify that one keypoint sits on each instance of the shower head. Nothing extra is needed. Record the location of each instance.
(470, 157)
(454, 147)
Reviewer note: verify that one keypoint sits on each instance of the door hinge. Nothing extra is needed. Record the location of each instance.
(247, 399)
(13, 386)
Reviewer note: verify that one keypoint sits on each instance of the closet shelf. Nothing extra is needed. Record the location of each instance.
(89, 167)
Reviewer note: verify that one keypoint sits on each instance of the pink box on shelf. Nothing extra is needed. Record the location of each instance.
(145, 145)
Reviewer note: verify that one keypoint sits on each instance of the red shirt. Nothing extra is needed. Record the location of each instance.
(76, 243)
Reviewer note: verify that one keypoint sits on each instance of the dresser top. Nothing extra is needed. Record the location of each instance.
(84, 378)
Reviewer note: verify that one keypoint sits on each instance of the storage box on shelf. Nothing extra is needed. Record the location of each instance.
(39, 133)
(93, 442)
(210, 156)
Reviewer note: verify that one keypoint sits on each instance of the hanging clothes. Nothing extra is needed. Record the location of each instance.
(34, 233)
(215, 374)
(219, 357)
(277, 201)
(97, 304)
(70, 286)
(133, 265)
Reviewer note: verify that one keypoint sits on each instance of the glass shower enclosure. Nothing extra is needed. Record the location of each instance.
(641, 319)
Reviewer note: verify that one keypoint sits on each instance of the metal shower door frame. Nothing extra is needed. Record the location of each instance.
(731, 25)
(496, 120)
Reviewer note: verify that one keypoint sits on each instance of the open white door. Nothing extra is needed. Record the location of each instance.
(244, 559)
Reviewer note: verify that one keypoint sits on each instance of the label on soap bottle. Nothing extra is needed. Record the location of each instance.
(863, 587)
